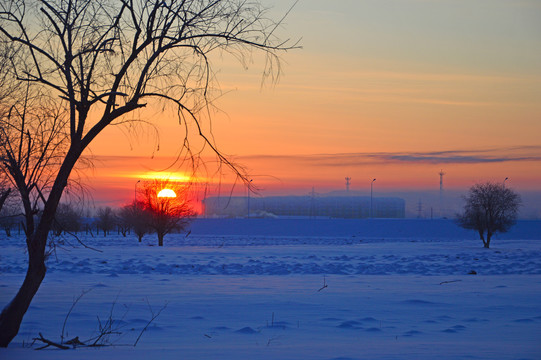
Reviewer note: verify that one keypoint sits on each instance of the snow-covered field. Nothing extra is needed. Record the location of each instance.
(290, 289)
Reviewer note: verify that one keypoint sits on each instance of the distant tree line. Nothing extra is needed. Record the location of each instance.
(139, 217)
(146, 215)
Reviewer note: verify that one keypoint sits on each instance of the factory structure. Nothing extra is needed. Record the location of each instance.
(330, 205)
(337, 204)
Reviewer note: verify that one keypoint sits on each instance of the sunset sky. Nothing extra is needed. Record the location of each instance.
(393, 90)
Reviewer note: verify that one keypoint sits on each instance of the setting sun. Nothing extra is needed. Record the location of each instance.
(167, 193)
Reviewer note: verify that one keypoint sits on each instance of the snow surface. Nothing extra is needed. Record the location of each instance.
(290, 289)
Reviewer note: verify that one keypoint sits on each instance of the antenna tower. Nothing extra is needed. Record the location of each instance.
(312, 202)
(441, 192)
(348, 182)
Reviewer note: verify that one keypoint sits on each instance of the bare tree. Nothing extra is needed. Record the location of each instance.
(169, 211)
(5, 189)
(4, 194)
(10, 215)
(67, 218)
(489, 208)
(106, 220)
(137, 218)
(95, 63)
(123, 226)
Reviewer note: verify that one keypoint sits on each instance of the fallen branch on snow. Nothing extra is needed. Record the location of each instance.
(49, 343)
(324, 285)
(450, 281)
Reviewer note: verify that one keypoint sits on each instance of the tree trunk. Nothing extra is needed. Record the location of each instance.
(487, 243)
(482, 237)
(160, 238)
(12, 315)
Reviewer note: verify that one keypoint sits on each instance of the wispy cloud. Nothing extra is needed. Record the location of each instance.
(123, 166)
(478, 156)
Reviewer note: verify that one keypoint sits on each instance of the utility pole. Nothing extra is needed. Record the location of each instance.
(249, 189)
(135, 193)
(372, 197)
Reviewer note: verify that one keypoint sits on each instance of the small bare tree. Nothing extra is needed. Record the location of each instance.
(10, 215)
(136, 218)
(67, 218)
(4, 194)
(106, 220)
(489, 208)
(97, 63)
(168, 207)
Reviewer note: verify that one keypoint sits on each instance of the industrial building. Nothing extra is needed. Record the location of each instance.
(306, 206)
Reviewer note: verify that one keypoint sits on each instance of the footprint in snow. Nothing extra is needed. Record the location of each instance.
(246, 330)
(412, 333)
(373, 329)
(524, 321)
(331, 319)
(280, 324)
(475, 320)
(351, 324)
(369, 319)
(221, 328)
(418, 302)
(454, 329)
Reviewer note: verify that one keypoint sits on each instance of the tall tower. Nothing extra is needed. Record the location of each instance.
(441, 193)
(348, 182)
(312, 202)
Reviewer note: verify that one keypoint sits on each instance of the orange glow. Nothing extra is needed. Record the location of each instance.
(175, 177)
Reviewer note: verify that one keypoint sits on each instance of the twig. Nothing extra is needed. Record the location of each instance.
(81, 242)
(107, 328)
(154, 316)
(272, 339)
(83, 293)
(324, 284)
